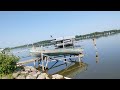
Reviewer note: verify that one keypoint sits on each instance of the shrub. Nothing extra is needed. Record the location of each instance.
(7, 63)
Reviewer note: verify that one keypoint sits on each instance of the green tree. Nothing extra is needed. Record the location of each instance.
(7, 63)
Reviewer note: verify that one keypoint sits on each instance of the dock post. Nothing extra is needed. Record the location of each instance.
(35, 63)
(65, 60)
(63, 42)
(39, 61)
(42, 62)
(97, 59)
(79, 58)
(65, 57)
(46, 62)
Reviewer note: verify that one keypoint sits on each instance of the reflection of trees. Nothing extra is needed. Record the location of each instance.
(72, 70)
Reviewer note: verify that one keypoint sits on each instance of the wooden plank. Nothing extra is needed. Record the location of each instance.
(28, 61)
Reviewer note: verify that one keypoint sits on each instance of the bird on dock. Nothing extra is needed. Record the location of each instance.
(51, 36)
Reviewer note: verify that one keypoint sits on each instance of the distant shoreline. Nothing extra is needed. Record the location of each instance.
(77, 37)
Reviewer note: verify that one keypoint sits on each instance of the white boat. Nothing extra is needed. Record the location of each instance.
(61, 48)
(62, 51)
(64, 41)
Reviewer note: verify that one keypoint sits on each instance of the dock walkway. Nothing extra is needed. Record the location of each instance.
(28, 61)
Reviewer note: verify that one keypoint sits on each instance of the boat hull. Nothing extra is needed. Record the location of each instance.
(56, 52)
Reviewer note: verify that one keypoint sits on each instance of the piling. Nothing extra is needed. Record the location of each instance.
(42, 62)
(35, 63)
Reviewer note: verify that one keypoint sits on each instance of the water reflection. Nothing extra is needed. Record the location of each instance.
(97, 57)
(94, 41)
(105, 52)
(95, 46)
(72, 70)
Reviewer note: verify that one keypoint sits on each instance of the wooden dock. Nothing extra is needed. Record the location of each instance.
(28, 61)
(44, 60)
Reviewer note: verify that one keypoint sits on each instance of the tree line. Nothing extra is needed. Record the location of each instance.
(77, 37)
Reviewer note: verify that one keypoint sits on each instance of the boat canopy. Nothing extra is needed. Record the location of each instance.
(63, 38)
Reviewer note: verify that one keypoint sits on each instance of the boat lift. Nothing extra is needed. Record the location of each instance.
(44, 56)
(45, 59)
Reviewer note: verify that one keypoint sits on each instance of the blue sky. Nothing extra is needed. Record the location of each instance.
(21, 27)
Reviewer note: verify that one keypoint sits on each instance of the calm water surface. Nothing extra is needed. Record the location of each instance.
(105, 66)
(108, 65)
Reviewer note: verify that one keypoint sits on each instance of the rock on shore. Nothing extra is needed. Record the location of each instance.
(30, 72)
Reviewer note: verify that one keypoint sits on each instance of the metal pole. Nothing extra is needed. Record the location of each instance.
(42, 61)
(79, 58)
(35, 63)
(63, 42)
(46, 62)
(39, 61)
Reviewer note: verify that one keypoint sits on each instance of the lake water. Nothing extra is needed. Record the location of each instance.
(105, 66)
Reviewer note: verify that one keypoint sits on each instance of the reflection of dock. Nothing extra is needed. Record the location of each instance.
(94, 42)
(97, 58)
(74, 69)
